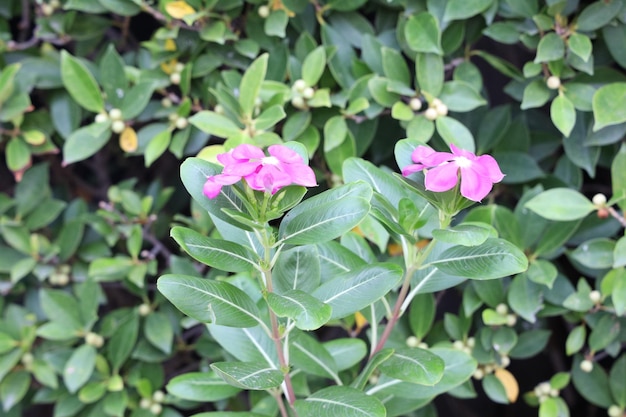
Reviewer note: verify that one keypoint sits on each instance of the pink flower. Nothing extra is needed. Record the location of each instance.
(478, 173)
(281, 168)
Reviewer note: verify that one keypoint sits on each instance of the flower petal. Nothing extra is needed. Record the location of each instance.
(214, 184)
(489, 168)
(247, 152)
(473, 185)
(441, 178)
(242, 169)
(301, 174)
(410, 169)
(285, 154)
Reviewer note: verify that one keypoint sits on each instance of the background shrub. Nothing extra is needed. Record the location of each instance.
(102, 100)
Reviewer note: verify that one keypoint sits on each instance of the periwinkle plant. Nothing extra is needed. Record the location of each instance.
(293, 278)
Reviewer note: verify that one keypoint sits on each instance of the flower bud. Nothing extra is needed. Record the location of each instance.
(554, 392)
(166, 102)
(94, 339)
(219, 109)
(442, 109)
(511, 319)
(181, 123)
(586, 366)
(431, 113)
(299, 86)
(415, 104)
(179, 67)
(115, 114)
(599, 199)
(502, 309)
(264, 11)
(101, 118)
(505, 361)
(145, 403)
(158, 396)
(27, 359)
(118, 126)
(458, 344)
(471, 342)
(298, 102)
(308, 93)
(553, 82)
(144, 310)
(595, 296)
(412, 341)
(478, 374)
(175, 78)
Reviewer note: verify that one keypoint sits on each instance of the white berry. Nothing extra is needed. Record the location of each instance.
(412, 341)
(101, 118)
(502, 309)
(308, 93)
(264, 11)
(118, 126)
(431, 113)
(175, 78)
(115, 114)
(586, 366)
(181, 123)
(599, 199)
(595, 296)
(299, 85)
(415, 104)
(553, 82)
(615, 411)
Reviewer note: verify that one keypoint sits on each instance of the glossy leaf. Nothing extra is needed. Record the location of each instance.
(210, 301)
(79, 367)
(418, 366)
(307, 311)
(561, 204)
(340, 401)
(422, 33)
(80, 83)
(496, 258)
(200, 386)
(248, 375)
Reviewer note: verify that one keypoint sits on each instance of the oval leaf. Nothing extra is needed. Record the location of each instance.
(210, 301)
(561, 204)
(80, 83)
(308, 312)
(200, 386)
(340, 401)
(418, 366)
(496, 258)
(248, 375)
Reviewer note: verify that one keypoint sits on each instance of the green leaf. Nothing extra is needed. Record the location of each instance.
(550, 48)
(276, 23)
(311, 356)
(372, 364)
(80, 83)
(418, 366)
(79, 367)
(121, 344)
(137, 98)
(200, 386)
(13, 389)
(525, 297)
(575, 340)
(460, 96)
(307, 311)
(217, 253)
(250, 85)
(463, 9)
(496, 258)
(593, 386)
(604, 332)
(561, 204)
(617, 381)
(7, 343)
(536, 94)
(248, 375)
(553, 407)
(113, 77)
(335, 132)
(494, 389)
(401, 111)
(159, 331)
(214, 124)
(503, 32)
(210, 301)
(618, 176)
(61, 307)
(563, 114)
(580, 45)
(422, 314)
(422, 33)
(614, 36)
(157, 145)
(85, 142)
(346, 352)
(542, 272)
(358, 288)
(322, 218)
(395, 67)
(594, 253)
(297, 269)
(598, 14)
(269, 117)
(17, 154)
(454, 132)
(609, 105)
(7, 84)
(313, 66)
(429, 71)
(618, 293)
(340, 401)
(464, 234)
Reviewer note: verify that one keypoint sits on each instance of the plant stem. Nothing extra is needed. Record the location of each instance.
(276, 336)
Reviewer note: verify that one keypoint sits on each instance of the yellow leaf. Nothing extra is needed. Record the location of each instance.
(360, 321)
(128, 139)
(509, 382)
(209, 153)
(170, 45)
(179, 9)
(168, 67)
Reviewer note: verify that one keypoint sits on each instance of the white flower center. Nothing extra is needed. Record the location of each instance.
(270, 160)
(463, 162)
